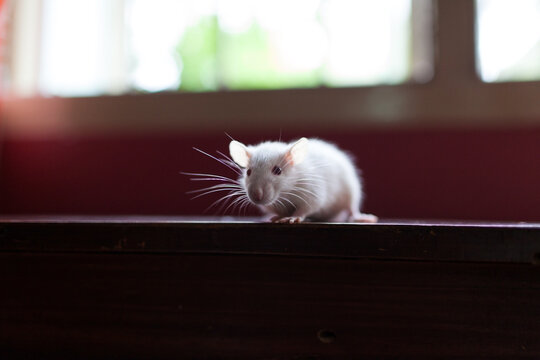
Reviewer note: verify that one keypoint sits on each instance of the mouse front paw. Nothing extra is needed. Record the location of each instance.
(363, 218)
(287, 219)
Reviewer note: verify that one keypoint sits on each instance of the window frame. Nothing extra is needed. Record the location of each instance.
(454, 97)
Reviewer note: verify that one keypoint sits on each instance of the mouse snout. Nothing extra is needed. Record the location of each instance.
(260, 194)
(257, 195)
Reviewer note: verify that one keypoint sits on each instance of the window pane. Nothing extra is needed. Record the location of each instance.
(75, 57)
(246, 44)
(508, 40)
(112, 46)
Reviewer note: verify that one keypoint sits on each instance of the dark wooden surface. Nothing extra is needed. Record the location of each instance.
(408, 240)
(135, 288)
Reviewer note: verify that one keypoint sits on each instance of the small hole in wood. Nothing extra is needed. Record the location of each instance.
(326, 336)
(536, 259)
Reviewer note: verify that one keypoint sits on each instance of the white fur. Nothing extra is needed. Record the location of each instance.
(317, 181)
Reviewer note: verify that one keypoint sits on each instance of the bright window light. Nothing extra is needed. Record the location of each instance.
(74, 49)
(112, 46)
(154, 29)
(508, 40)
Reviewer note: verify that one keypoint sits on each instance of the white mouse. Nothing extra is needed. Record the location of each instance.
(306, 179)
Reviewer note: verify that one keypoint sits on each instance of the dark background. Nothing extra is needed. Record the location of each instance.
(467, 174)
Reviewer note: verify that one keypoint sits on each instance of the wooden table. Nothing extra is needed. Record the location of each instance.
(153, 287)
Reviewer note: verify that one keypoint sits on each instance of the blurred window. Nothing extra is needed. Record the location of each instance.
(116, 46)
(508, 40)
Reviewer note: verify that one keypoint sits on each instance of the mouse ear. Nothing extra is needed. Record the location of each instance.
(298, 151)
(239, 153)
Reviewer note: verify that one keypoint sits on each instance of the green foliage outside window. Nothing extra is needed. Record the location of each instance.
(213, 59)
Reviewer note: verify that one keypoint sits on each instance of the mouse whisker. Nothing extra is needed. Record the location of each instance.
(313, 173)
(210, 192)
(221, 185)
(224, 199)
(304, 190)
(238, 206)
(214, 179)
(223, 202)
(216, 191)
(248, 204)
(231, 162)
(315, 184)
(212, 176)
(215, 203)
(245, 205)
(315, 187)
(280, 203)
(312, 176)
(235, 201)
(232, 205)
(238, 197)
(218, 186)
(304, 186)
(221, 161)
(201, 175)
(286, 208)
(296, 195)
(309, 181)
(289, 201)
(237, 169)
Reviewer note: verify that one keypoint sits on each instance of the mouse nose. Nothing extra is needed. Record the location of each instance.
(258, 195)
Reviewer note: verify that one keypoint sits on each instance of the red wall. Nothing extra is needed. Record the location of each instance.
(466, 174)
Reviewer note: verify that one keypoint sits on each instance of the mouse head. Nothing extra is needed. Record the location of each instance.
(269, 168)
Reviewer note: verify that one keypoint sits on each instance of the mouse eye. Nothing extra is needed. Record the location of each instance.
(276, 170)
(248, 172)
